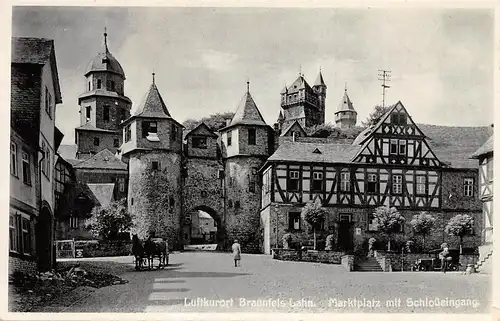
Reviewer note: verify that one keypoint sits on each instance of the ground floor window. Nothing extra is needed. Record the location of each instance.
(12, 234)
(73, 222)
(20, 234)
(294, 221)
(26, 236)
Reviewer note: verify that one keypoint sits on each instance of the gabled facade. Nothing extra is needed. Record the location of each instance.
(35, 92)
(390, 164)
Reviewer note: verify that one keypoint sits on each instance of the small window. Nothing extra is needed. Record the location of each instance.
(116, 142)
(121, 184)
(128, 133)
(394, 147)
(251, 186)
(96, 141)
(420, 181)
(344, 218)
(468, 187)
(398, 118)
(372, 224)
(26, 236)
(293, 181)
(294, 221)
(105, 113)
(251, 136)
(87, 113)
(317, 183)
(397, 184)
(13, 159)
(237, 204)
(48, 154)
(12, 234)
(73, 222)
(345, 182)
(89, 85)
(26, 169)
(112, 85)
(174, 132)
(199, 142)
(402, 147)
(149, 127)
(122, 113)
(372, 186)
(155, 165)
(48, 102)
(229, 138)
(99, 83)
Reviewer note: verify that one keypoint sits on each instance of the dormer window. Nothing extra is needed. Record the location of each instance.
(199, 142)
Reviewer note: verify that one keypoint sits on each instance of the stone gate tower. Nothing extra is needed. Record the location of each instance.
(346, 116)
(246, 142)
(103, 105)
(153, 147)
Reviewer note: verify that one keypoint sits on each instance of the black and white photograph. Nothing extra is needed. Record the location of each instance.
(247, 159)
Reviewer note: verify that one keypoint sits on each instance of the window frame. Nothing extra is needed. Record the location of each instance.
(199, 142)
(252, 136)
(13, 239)
(293, 176)
(345, 181)
(121, 184)
(73, 222)
(468, 188)
(99, 83)
(48, 105)
(229, 138)
(116, 142)
(26, 236)
(155, 165)
(394, 143)
(375, 183)
(97, 141)
(14, 170)
(106, 113)
(26, 166)
(128, 133)
(394, 184)
(174, 132)
(371, 225)
(317, 179)
(417, 184)
(293, 218)
(402, 143)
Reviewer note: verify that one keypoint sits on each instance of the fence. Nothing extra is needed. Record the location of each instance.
(65, 249)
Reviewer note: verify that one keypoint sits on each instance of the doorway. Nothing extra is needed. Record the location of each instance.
(345, 230)
(44, 240)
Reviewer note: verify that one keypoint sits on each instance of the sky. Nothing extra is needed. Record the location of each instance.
(441, 60)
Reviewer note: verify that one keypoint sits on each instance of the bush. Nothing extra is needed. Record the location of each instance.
(287, 240)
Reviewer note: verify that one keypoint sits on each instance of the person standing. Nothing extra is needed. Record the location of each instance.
(444, 258)
(236, 252)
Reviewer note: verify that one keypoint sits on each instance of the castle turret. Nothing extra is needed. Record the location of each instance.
(103, 105)
(247, 141)
(153, 147)
(346, 116)
(320, 90)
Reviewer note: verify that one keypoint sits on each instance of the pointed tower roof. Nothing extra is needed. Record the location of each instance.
(153, 105)
(105, 61)
(280, 116)
(299, 83)
(247, 113)
(284, 91)
(319, 80)
(345, 103)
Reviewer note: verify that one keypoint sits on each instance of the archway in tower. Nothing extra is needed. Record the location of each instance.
(44, 230)
(204, 227)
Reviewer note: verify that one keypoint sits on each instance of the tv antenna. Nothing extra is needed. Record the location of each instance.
(385, 77)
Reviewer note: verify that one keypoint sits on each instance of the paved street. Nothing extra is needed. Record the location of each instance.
(195, 281)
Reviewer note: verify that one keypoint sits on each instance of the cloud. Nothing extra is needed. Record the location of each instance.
(218, 61)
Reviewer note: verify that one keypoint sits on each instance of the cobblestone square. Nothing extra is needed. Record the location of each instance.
(209, 282)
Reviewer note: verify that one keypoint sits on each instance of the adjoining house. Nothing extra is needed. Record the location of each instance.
(393, 163)
(34, 140)
(485, 157)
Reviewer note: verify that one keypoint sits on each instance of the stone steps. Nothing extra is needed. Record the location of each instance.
(483, 260)
(369, 264)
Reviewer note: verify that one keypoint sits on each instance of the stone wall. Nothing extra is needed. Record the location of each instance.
(20, 265)
(95, 248)
(154, 198)
(453, 191)
(243, 205)
(332, 257)
(85, 141)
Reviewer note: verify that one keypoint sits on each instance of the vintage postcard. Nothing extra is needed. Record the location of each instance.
(177, 160)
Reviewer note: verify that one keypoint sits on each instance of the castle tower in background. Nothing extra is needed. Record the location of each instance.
(103, 105)
(303, 103)
(246, 142)
(346, 116)
(153, 148)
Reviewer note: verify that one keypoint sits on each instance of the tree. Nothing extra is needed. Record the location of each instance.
(422, 224)
(375, 116)
(460, 225)
(109, 220)
(214, 121)
(322, 131)
(388, 220)
(314, 214)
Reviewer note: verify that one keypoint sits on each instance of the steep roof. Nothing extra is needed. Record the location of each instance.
(299, 83)
(486, 148)
(345, 104)
(103, 192)
(153, 105)
(319, 80)
(102, 160)
(201, 129)
(247, 113)
(37, 51)
(295, 124)
(305, 152)
(105, 61)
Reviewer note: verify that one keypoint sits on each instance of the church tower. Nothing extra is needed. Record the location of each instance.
(153, 147)
(103, 105)
(320, 89)
(346, 116)
(246, 142)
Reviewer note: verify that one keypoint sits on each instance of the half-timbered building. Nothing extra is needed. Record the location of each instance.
(389, 164)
